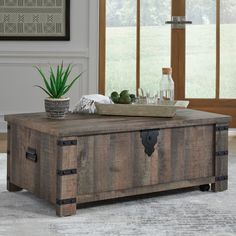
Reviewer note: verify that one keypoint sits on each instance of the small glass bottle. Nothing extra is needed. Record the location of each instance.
(166, 85)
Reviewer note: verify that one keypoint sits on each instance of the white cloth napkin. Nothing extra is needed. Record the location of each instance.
(87, 103)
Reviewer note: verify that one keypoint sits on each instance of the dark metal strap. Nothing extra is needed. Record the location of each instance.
(221, 128)
(65, 201)
(8, 127)
(222, 178)
(222, 153)
(66, 172)
(66, 142)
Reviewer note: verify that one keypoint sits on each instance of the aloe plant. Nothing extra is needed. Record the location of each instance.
(57, 84)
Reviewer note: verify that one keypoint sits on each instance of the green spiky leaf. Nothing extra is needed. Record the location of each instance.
(45, 80)
(50, 95)
(73, 81)
(57, 83)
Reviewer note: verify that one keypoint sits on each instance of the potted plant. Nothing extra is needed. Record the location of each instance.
(56, 85)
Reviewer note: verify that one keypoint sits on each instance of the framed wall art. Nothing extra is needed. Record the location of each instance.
(34, 19)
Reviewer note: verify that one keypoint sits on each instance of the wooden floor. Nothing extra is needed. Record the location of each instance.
(3, 143)
(232, 142)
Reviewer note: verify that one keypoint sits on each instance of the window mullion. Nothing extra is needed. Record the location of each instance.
(217, 49)
(102, 46)
(138, 47)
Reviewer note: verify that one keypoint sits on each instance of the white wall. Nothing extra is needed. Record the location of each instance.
(17, 75)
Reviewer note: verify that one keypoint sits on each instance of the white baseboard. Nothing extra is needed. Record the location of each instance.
(3, 125)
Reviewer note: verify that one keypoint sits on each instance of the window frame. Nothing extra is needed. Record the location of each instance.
(178, 54)
(102, 46)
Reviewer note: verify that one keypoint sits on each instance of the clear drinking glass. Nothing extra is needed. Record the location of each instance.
(152, 97)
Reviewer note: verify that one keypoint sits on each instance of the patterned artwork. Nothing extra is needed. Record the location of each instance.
(34, 19)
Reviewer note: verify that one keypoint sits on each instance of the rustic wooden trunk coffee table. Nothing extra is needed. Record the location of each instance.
(87, 158)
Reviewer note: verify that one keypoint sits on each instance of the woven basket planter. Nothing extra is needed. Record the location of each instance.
(56, 108)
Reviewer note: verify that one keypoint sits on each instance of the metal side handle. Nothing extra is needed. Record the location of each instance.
(31, 154)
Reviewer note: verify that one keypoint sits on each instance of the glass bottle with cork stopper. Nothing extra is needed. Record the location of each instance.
(166, 85)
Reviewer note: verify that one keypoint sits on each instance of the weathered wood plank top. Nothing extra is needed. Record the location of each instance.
(78, 124)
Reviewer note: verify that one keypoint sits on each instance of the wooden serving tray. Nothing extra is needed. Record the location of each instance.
(162, 109)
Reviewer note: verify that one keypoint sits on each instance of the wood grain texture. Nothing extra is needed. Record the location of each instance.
(10, 186)
(118, 161)
(136, 110)
(178, 51)
(178, 8)
(143, 190)
(221, 162)
(79, 125)
(37, 177)
(221, 108)
(110, 157)
(66, 184)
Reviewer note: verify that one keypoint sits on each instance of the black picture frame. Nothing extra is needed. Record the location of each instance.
(65, 37)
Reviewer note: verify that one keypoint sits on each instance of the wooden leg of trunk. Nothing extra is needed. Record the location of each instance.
(66, 209)
(12, 187)
(221, 158)
(66, 177)
(221, 165)
(220, 186)
(66, 196)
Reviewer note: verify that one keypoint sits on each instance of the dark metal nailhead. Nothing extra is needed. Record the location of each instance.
(222, 153)
(222, 178)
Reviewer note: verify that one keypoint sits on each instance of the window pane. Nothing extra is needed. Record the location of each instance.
(120, 45)
(155, 42)
(201, 49)
(228, 49)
